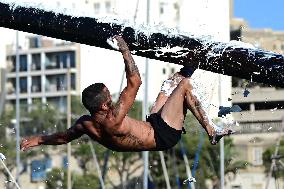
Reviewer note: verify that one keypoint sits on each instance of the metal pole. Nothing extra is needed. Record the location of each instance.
(17, 109)
(273, 163)
(164, 167)
(10, 174)
(97, 165)
(69, 184)
(191, 185)
(222, 167)
(222, 161)
(145, 108)
(145, 112)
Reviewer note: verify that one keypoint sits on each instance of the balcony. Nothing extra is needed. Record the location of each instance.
(257, 95)
(55, 83)
(12, 63)
(259, 116)
(36, 62)
(59, 60)
(11, 86)
(36, 84)
(260, 127)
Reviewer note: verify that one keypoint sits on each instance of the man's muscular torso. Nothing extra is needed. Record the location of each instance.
(130, 135)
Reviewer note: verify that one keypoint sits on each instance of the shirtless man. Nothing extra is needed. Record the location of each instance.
(110, 126)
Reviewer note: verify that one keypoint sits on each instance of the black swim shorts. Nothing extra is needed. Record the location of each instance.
(166, 137)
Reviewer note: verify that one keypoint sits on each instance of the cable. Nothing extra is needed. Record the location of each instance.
(2, 158)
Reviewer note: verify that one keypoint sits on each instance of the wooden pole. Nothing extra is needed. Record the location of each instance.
(225, 58)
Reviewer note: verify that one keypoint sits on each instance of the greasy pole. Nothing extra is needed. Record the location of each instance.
(233, 58)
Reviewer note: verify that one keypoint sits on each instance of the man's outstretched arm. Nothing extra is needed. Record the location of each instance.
(59, 138)
(129, 93)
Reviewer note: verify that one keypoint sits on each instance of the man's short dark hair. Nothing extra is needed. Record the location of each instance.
(93, 97)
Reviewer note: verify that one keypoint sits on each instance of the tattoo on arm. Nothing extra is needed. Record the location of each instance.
(130, 66)
(116, 108)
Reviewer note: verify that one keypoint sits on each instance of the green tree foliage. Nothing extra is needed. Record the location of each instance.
(136, 110)
(57, 179)
(88, 181)
(278, 171)
(125, 164)
(77, 108)
(42, 119)
(208, 164)
(83, 154)
(8, 145)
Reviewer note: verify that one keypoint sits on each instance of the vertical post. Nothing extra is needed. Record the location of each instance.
(17, 108)
(273, 163)
(145, 112)
(97, 165)
(222, 167)
(145, 107)
(164, 167)
(222, 161)
(187, 166)
(9, 173)
(69, 184)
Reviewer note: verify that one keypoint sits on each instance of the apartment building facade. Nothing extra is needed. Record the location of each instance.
(43, 68)
(260, 122)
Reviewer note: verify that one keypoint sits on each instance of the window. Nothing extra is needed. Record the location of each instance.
(177, 11)
(282, 47)
(36, 64)
(108, 6)
(39, 169)
(272, 105)
(97, 7)
(65, 162)
(73, 81)
(243, 106)
(164, 71)
(274, 47)
(162, 8)
(23, 85)
(59, 60)
(257, 186)
(55, 83)
(257, 156)
(23, 63)
(236, 187)
(36, 84)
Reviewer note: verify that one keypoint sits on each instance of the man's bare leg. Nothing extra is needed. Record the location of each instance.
(173, 111)
(166, 89)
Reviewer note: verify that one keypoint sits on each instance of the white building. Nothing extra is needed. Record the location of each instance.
(43, 72)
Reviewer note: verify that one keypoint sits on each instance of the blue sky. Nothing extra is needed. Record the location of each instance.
(261, 13)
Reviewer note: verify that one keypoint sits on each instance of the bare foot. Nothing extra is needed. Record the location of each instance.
(218, 134)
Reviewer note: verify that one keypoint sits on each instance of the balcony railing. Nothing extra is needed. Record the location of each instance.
(258, 127)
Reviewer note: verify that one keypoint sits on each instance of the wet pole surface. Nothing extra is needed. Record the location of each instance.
(197, 52)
